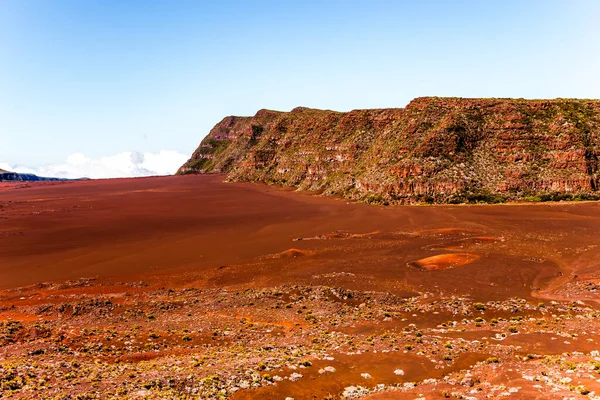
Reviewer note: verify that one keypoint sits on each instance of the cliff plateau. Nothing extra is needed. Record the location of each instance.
(436, 150)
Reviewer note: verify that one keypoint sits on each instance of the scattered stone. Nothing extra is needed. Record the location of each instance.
(295, 376)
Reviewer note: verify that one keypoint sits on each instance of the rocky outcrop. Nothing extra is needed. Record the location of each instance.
(442, 150)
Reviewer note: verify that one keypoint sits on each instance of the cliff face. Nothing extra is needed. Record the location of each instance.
(442, 150)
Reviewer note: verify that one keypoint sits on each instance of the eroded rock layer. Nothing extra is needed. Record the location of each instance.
(443, 150)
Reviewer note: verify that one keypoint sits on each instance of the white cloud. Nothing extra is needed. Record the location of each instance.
(122, 165)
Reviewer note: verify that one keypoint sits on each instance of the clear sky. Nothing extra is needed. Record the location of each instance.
(88, 83)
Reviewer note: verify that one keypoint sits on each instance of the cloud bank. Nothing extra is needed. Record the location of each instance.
(123, 165)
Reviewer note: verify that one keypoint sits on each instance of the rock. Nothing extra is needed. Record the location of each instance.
(295, 376)
(467, 382)
(244, 384)
(353, 392)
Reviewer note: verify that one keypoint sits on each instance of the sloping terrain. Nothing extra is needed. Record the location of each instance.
(442, 150)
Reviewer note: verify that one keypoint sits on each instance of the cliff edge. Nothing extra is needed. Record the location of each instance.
(436, 150)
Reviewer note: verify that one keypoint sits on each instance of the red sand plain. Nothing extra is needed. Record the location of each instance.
(123, 227)
(197, 232)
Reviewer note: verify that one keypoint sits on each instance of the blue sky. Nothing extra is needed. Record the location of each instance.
(83, 82)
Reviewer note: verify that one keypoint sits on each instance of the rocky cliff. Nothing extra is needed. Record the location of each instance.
(442, 150)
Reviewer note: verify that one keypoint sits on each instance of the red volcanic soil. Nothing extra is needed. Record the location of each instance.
(152, 225)
(236, 284)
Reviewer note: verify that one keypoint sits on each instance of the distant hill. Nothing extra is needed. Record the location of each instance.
(436, 150)
(6, 176)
